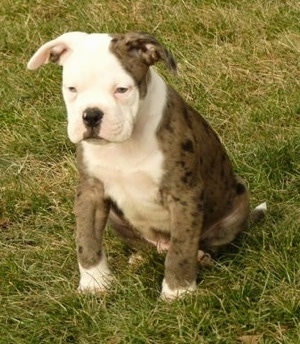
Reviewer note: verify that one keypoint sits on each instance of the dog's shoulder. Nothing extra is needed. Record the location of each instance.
(186, 138)
(182, 125)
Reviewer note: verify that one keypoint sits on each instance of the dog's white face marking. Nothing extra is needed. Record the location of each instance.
(96, 84)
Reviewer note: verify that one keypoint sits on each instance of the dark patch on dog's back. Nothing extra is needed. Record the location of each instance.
(240, 189)
(188, 146)
(180, 163)
(187, 178)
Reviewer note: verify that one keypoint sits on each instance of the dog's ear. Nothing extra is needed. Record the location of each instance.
(56, 50)
(145, 47)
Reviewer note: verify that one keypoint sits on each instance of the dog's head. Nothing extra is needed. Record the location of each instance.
(104, 79)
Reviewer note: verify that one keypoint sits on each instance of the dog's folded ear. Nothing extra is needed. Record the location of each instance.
(56, 50)
(145, 47)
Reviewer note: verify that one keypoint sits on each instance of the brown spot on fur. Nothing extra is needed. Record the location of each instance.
(240, 188)
(180, 163)
(222, 173)
(169, 127)
(186, 179)
(200, 206)
(188, 174)
(183, 263)
(188, 146)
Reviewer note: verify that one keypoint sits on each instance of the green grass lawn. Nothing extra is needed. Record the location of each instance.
(239, 65)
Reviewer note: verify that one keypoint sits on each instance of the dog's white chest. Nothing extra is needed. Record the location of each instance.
(131, 174)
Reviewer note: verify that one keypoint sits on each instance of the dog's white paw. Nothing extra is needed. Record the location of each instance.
(169, 294)
(94, 280)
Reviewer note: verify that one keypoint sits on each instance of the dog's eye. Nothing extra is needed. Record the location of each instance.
(72, 89)
(121, 90)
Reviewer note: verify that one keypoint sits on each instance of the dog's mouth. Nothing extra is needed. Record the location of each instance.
(96, 140)
(92, 136)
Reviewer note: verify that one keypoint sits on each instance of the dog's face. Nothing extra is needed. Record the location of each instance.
(104, 79)
(101, 97)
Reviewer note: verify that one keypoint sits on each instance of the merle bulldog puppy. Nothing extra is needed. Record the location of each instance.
(148, 162)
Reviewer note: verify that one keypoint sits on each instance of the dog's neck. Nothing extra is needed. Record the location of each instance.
(151, 107)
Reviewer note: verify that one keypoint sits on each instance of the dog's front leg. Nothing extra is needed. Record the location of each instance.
(91, 211)
(181, 260)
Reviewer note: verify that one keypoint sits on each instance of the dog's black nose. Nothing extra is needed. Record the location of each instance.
(92, 117)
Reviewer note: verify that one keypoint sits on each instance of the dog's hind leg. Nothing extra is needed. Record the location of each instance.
(91, 211)
(227, 228)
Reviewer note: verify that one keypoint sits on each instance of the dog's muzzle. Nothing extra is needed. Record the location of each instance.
(92, 117)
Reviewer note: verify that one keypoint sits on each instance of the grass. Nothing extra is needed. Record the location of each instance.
(239, 65)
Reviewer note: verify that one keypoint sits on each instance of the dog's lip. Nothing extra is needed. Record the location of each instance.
(93, 137)
(96, 140)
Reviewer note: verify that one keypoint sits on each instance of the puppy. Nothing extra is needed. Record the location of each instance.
(148, 162)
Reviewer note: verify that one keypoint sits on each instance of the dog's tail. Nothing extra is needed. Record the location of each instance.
(258, 213)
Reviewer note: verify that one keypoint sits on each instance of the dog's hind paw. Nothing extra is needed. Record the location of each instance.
(204, 259)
